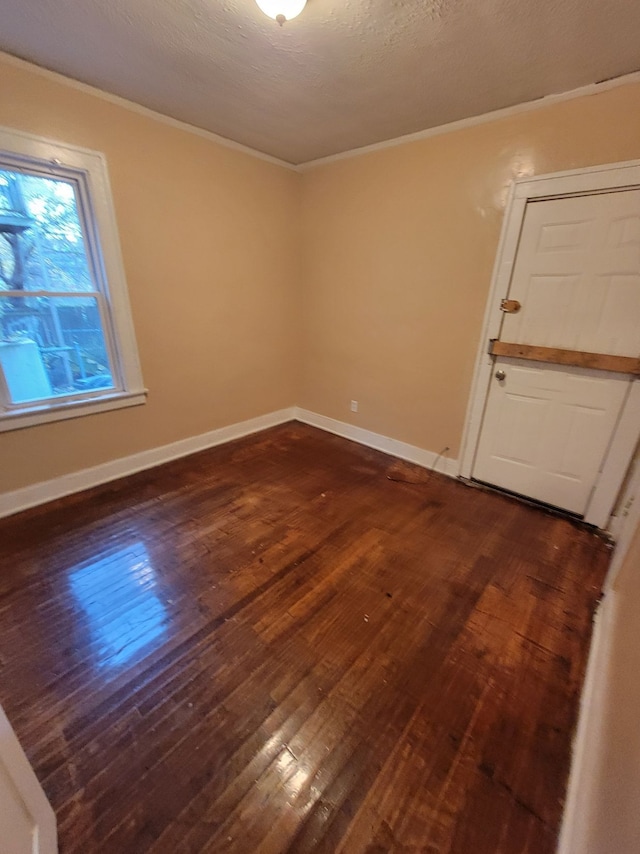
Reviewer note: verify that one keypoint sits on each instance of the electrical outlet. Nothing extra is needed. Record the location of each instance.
(354, 405)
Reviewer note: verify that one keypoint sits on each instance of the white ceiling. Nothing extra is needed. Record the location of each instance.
(346, 73)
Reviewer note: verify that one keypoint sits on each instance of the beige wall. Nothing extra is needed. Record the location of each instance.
(398, 253)
(211, 258)
(254, 288)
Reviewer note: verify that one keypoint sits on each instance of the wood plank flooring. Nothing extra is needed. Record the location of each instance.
(292, 643)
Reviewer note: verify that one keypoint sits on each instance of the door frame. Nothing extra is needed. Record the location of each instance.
(28, 791)
(577, 182)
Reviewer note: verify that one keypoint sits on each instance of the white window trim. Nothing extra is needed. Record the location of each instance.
(90, 167)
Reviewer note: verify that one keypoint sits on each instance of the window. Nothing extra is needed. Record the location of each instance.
(67, 345)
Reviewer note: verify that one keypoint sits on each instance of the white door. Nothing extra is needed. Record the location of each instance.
(577, 275)
(27, 822)
(546, 429)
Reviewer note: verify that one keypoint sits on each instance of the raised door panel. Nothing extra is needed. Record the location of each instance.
(546, 430)
(577, 275)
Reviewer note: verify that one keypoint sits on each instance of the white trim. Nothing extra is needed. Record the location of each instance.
(507, 248)
(28, 789)
(569, 183)
(616, 463)
(39, 493)
(627, 522)
(49, 490)
(88, 170)
(589, 741)
(393, 447)
(472, 121)
(148, 113)
(70, 409)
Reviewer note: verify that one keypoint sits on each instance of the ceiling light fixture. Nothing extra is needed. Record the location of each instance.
(282, 10)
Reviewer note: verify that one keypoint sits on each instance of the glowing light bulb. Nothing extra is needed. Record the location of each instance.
(282, 10)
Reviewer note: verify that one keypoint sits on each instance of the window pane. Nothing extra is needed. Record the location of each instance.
(52, 346)
(41, 242)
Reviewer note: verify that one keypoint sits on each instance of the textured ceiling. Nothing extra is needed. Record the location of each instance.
(346, 73)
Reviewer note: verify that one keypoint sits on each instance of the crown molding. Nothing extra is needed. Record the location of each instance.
(472, 121)
(461, 124)
(148, 113)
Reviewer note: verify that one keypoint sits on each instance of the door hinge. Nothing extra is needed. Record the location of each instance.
(510, 306)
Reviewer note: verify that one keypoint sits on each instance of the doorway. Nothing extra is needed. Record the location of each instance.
(555, 407)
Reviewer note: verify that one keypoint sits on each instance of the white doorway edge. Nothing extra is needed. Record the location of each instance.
(27, 791)
(575, 182)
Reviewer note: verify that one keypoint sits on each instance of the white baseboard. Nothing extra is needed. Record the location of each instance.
(402, 450)
(587, 745)
(589, 741)
(49, 490)
(39, 493)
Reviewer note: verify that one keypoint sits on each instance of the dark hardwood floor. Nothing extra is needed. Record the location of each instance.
(274, 647)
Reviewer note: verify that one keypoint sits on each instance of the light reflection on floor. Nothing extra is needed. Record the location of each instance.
(118, 594)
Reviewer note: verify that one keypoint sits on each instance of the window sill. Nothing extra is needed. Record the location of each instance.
(16, 419)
